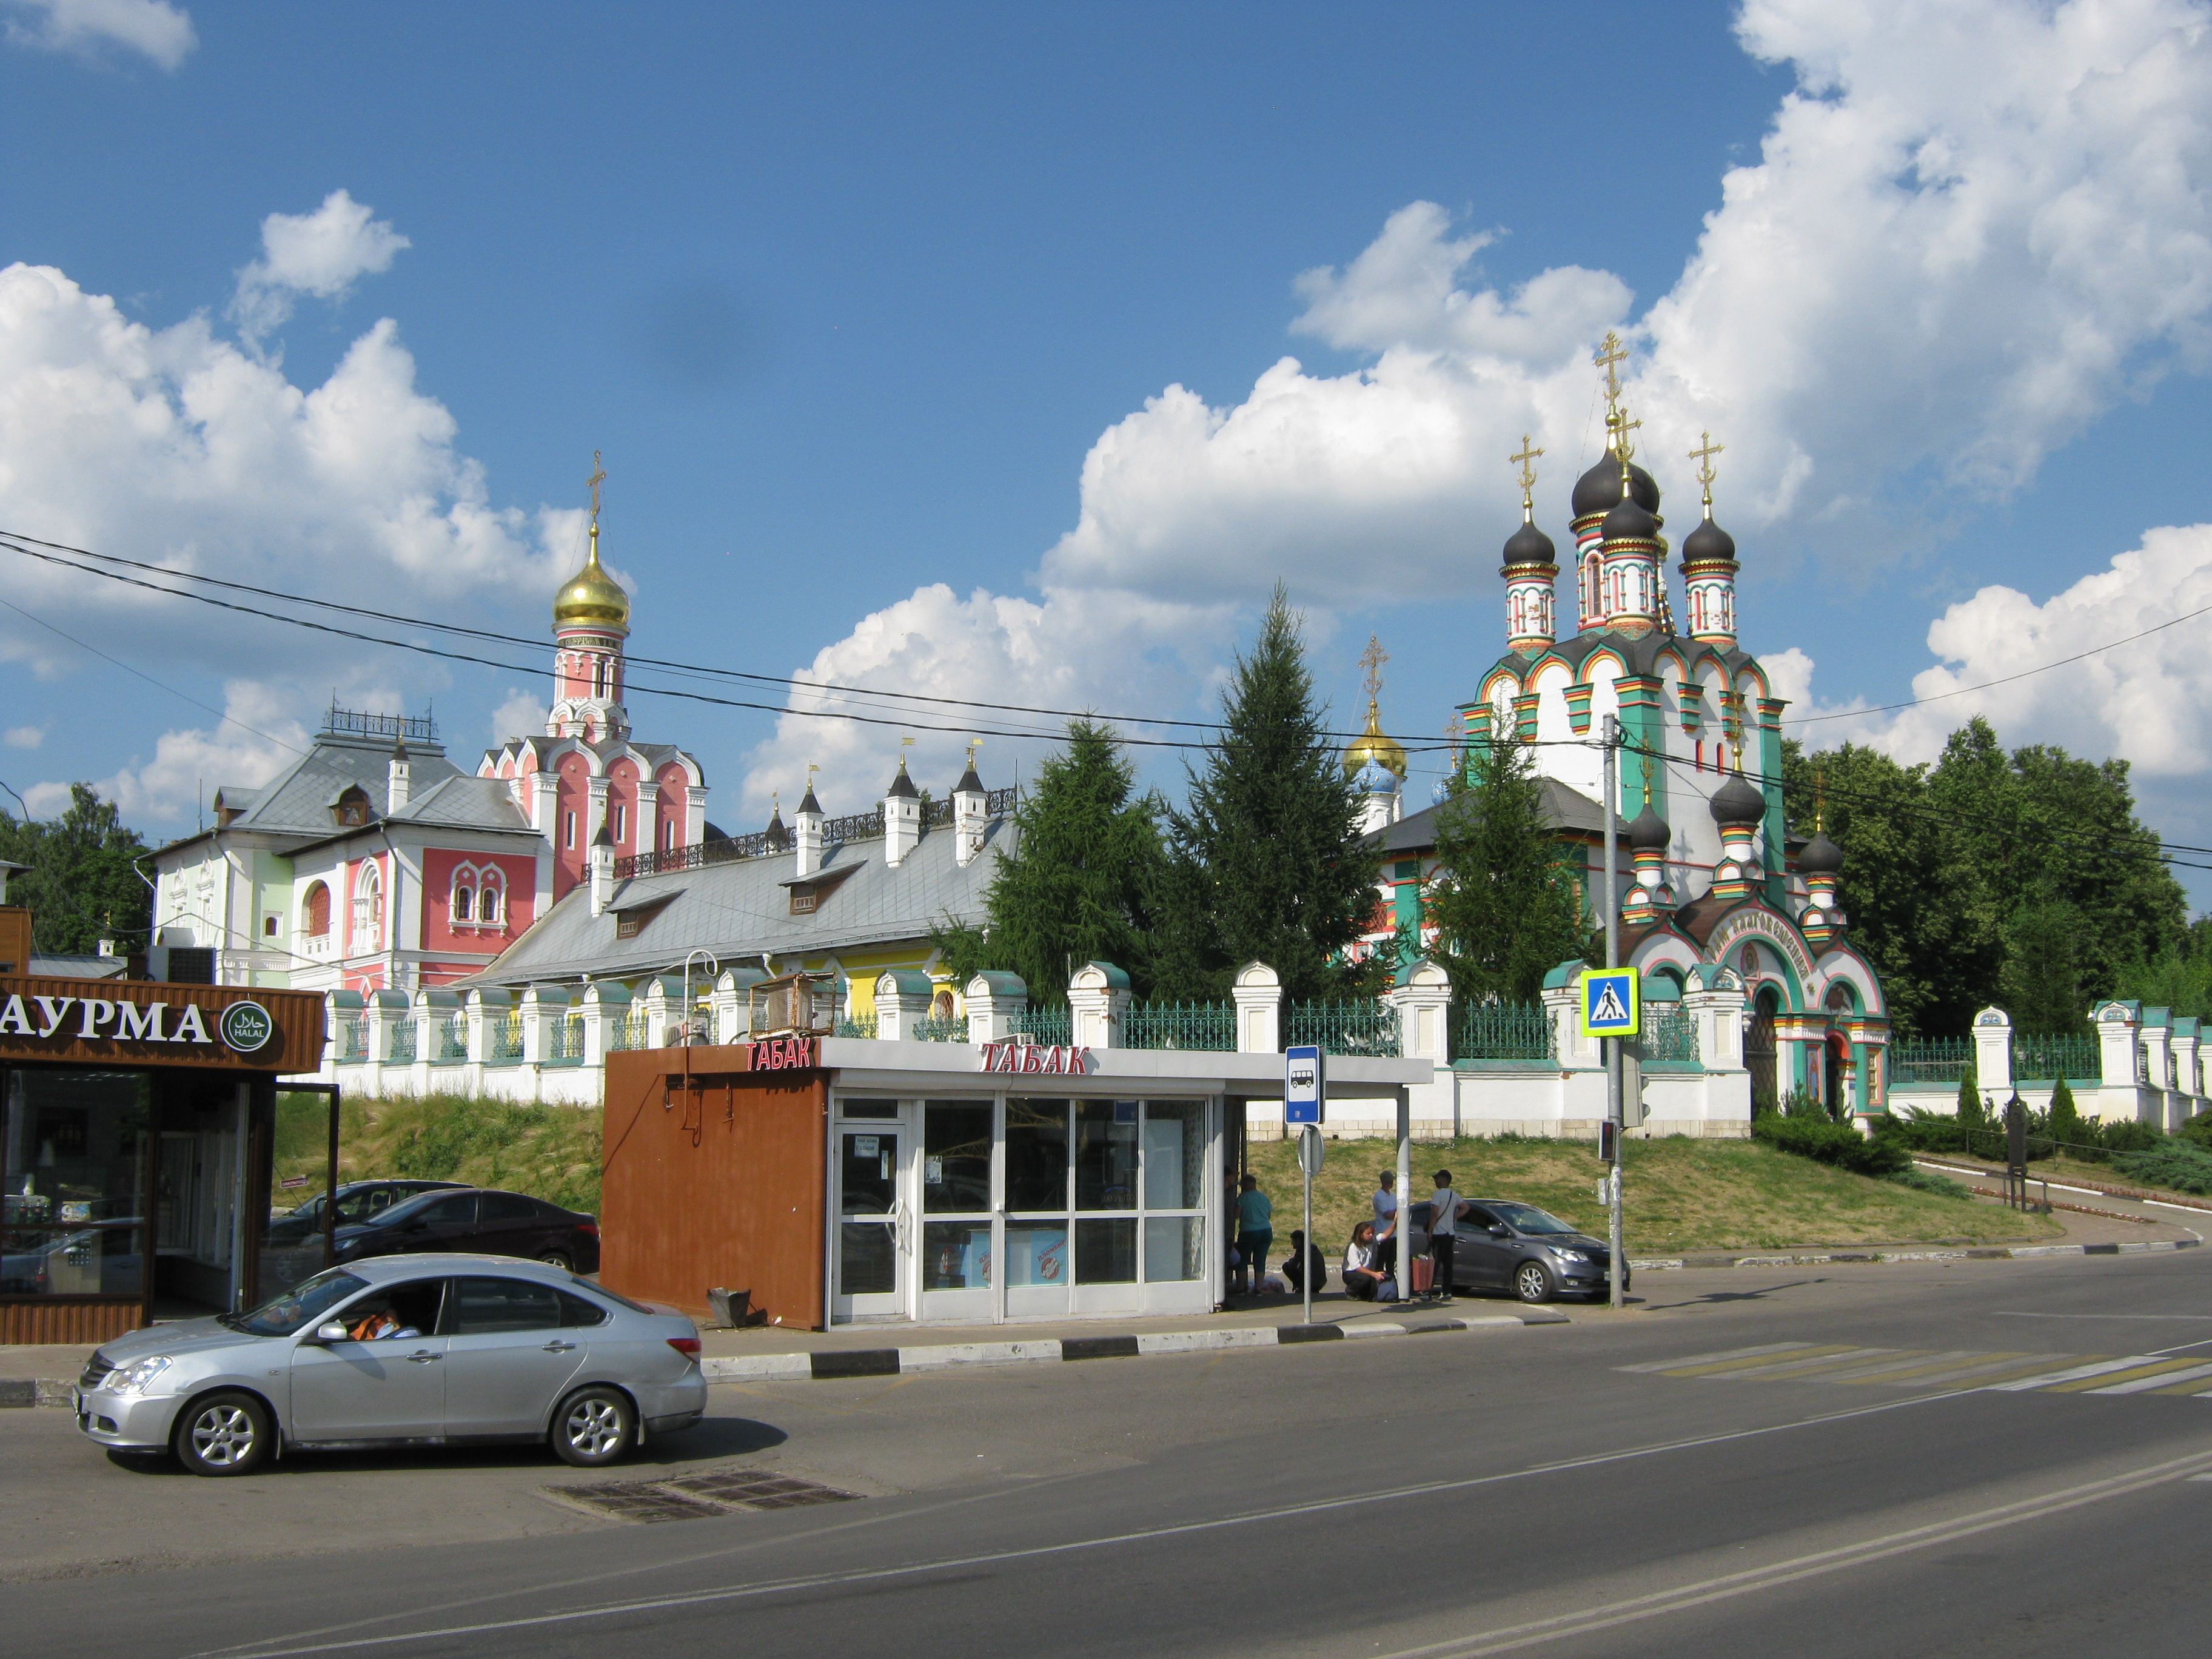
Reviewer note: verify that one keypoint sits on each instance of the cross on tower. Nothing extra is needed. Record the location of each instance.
(598, 476)
(1610, 356)
(1526, 461)
(1621, 426)
(1372, 659)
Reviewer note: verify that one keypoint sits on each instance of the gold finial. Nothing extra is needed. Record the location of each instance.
(598, 476)
(1526, 460)
(1703, 455)
(974, 743)
(1820, 796)
(1372, 659)
(1647, 780)
(905, 743)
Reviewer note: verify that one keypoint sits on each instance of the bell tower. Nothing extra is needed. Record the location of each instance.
(591, 620)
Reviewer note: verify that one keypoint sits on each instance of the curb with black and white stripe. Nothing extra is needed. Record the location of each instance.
(824, 1365)
(1998, 1253)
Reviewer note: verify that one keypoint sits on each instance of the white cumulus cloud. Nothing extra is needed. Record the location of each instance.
(24, 737)
(323, 253)
(153, 28)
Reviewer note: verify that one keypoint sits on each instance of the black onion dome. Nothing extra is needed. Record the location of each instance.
(1819, 857)
(1630, 520)
(1529, 546)
(1649, 833)
(1736, 802)
(1599, 488)
(1708, 542)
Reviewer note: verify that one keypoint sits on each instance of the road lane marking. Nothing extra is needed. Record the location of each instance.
(1726, 1353)
(2155, 1367)
(2188, 1382)
(1810, 1351)
(1814, 1367)
(1730, 1586)
(267, 1648)
(2071, 1373)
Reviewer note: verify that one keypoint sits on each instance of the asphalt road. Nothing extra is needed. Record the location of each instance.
(1862, 1483)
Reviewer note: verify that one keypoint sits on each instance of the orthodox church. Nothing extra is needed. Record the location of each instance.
(373, 863)
(1710, 883)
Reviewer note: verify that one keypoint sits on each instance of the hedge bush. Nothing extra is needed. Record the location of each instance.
(1839, 1144)
(2181, 1164)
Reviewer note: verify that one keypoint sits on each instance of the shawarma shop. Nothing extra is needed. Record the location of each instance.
(137, 1127)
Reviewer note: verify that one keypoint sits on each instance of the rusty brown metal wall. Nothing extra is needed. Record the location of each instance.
(714, 1176)
(67, 1319)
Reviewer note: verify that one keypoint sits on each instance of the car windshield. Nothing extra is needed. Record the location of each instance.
(302, 1305)
(413, 1204)
(1527, 1218)
(314, 1207)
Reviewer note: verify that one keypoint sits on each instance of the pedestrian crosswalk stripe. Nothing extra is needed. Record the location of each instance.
(2147, 1369)
(1911, 1363)
(2192, 1380)
(1809, 1366)
(1998, 1368)
(1809, 1351)
(2071, 1373)
(1725, 1353)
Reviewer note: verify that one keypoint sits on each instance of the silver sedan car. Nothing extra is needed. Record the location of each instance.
(415, 1350)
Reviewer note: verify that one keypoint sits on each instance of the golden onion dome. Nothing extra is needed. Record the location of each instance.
(592, 597)
(1374, 745)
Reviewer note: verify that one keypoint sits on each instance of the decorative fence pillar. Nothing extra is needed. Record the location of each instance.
(1575, 1052)
(1422, 996)
(436, 1010)
(2187, 1075)
(544, 1015)
(2117, 1093)
(1257, 990)
(384, 1010)
(998, 1003)
(903, 997)
(1097, 1001)
(2157, 1041)
(1993, 1053)
(1715, 1000)
(664, 1010)
(606, 1016)
(486, 1009)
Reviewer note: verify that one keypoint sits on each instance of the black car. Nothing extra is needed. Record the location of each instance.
(358, 1200)
(480, 1223)
(1503, 1245)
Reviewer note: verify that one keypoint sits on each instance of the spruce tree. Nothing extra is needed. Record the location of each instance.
(1267, 862)
(1505, 904)
(2065, 1119)
(1076, 886)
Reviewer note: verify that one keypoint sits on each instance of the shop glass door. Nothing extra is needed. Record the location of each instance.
(873, 1221)
(1037, 1175)
(958, 1252)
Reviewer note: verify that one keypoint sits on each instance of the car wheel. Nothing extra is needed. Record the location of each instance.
(1533, 1282)
(225, 1433)
(594, 1427)
(557, 1259)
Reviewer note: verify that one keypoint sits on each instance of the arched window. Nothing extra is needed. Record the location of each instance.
(316, 911)
(368, 908)
(352, 808)
(491, 897)
(464, 899)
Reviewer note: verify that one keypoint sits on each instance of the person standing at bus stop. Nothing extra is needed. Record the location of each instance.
(1444, 1208)
(1255, 1231)
(1386, 1223)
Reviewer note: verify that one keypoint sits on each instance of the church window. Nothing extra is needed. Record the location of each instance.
(318, 910)
(567, 830)
(269, 924)
(352, 808)
(491, 897)
(621, 823)
(464, 899)
(803, 900)
(368, 908)
(667, 834)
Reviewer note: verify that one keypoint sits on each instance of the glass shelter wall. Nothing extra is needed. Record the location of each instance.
(1020, 1208)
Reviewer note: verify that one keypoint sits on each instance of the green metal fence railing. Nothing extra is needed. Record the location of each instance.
(862, 1026)
(1201, 1027)
(932, 1028)
(1504, 1030)
(1931, 1059)
(403, 1042)
(1346, 1027)
(452, 1039)
(505, 1048)
(2046, 1059)
(353, 1037)
(1052, 1026)
(1670, 1035)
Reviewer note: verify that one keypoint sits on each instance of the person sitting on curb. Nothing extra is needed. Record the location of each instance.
(1304, 1259)
(1361, 1281)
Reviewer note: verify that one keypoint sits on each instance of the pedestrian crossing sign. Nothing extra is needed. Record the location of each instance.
(1610, 1005)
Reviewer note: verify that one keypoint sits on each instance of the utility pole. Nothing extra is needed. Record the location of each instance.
(1612, 1045)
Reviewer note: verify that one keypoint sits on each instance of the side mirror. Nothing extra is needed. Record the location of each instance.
(1498, 1229)
(331, 1330)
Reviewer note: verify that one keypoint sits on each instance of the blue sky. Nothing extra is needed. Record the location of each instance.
(858, 301)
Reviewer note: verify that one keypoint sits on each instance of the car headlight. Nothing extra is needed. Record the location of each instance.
(1568, 1256)
(134, 1378)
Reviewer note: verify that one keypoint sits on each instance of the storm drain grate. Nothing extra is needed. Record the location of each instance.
(695, 1497)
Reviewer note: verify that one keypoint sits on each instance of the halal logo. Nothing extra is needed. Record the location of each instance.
(246, 1027)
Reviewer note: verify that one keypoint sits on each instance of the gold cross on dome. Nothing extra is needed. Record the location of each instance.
(1610, 356)
(1622, 426)
(1703, 455)
(1372, 659)
(1526, 461)
(598, 476)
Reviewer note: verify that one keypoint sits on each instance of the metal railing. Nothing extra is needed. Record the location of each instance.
(1931, 1059)
(1505, 1030)
(932, 1028)
(505, 1046)
(353, 1037)
(2046, 1059)
(853, 826)
(564, 1040)
(351, 723)
(402, 1041)
(862, 1026)
(1053, 1026)
(452, 1039)
(627, 1031)
(1205, 1027)
(1670, 1034)
(1348, 1028)
(699, 854)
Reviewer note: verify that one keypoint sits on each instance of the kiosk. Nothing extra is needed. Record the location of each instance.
(136, 1127)
(840, 1181)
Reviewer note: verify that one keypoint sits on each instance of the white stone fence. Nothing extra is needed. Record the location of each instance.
(2141, 1064)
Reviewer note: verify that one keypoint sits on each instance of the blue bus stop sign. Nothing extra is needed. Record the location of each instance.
(1305, 1097)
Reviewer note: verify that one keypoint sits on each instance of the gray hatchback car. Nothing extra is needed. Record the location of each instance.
(416, 1350)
